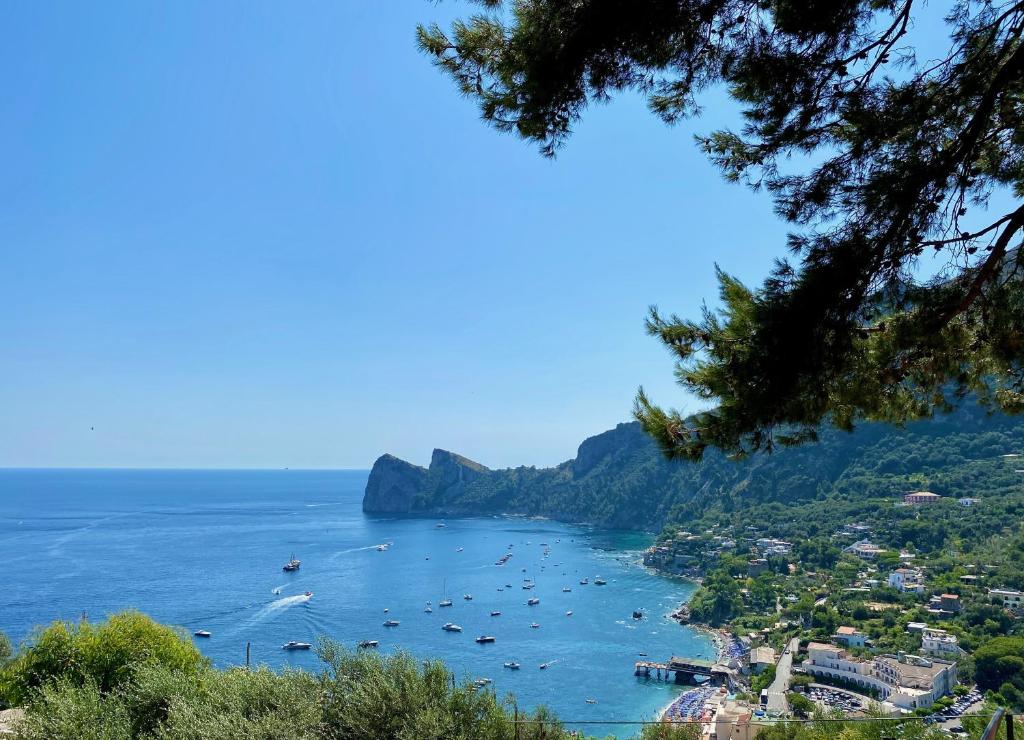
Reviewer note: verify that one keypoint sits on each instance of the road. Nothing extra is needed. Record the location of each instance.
(777, 703)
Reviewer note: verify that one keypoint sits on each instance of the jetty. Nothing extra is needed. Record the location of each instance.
(685, 670)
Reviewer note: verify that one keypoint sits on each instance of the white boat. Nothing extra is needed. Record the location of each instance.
(451, 627)
(495, 613)
(599, 581)
(591, 701)
(292, 564)
(444, 602)
(293, 645)
(566, 589)
(391, 623)
(382, 548)
(512, 664)
(534, 625)
(568, 613)
(202, 633)
(368, 644)
(485, 638)
(584, 581)
(428, 610)
(440, 525)
(467, 597)
(533, 602)
(459, 550)
(444, 589)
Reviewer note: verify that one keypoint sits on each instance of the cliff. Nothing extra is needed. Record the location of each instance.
(618, 478)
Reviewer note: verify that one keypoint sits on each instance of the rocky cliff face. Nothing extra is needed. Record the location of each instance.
(393, 486)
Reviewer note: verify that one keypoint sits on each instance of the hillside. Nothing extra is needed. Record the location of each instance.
(619, 479)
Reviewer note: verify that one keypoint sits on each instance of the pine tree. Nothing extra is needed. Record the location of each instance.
(906, 152)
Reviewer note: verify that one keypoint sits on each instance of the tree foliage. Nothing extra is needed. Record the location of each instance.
(883, 160)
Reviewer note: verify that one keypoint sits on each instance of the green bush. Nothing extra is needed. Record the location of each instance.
(106, 654)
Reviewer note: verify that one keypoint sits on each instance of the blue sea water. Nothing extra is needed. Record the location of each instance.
(204, 550)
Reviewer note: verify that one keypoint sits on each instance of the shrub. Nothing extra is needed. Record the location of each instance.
(106, 654)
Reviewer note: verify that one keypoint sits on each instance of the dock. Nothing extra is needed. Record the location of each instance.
(684, 670)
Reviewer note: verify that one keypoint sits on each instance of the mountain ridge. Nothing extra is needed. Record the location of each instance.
(619, 479)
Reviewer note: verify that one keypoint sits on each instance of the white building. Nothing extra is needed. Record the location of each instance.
(851, 637)
(865, 549)
(1010, 599)
(966, 501)
(907, 681)
(940, 643)
(907, 580)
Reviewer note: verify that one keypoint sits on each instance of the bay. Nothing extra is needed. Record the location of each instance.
(204, 550)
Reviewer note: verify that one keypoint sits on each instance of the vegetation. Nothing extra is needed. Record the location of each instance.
(877, 155)
(132, 678)
(999, 667)
(620, 480)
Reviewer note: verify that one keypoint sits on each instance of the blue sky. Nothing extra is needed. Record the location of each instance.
(268, 234)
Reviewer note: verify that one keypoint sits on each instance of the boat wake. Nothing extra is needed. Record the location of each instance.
(270, 609)
(339, 553)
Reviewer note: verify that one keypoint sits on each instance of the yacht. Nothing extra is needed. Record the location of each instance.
(201, 633)
(368, 644)
(444, 602)
(599, 581)
(293, 645)
(391, 623)
(382, 548)
(292, 564)
(533, 602)
(451, 627)
(485, 638)
(495, 613)
(467, 597)
(459, 550)
(512, 664)
(566, 589)
(584, 581)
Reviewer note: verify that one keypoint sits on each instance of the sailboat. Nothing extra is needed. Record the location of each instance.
(292, 564)
(445, 601)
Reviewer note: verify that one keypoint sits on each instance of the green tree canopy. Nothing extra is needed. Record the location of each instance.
(876, 155)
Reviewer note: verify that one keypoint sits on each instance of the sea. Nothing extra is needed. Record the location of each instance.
(204, 550)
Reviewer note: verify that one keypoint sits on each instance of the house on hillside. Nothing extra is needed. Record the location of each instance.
(921, 497)
(907, 580)
(851, 637)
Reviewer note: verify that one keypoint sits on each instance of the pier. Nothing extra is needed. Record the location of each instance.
(684, 670)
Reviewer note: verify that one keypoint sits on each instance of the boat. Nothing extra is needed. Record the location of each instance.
(451, 627)
(368, 644)
(569, 613)
(382, 548)
(495, 613)
(308, 594)
(533, 602)
(201, 633)
(512, 665)
(566, 589)
(481, 682)
(637, 614)
(459, 550)
(386, 610)
(440, 525)
(293, 645)
(428, 610)
(292, 564)
(591, 701)
(445, 601)
(584, 581)
(544, 665)
(467, 597)
(485, 638)
(534, 625)
(599, 581)
(391, 623)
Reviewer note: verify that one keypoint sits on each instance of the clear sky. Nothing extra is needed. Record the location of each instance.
(266, 234)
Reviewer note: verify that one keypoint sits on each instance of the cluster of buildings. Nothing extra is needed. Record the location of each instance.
(906, 681)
